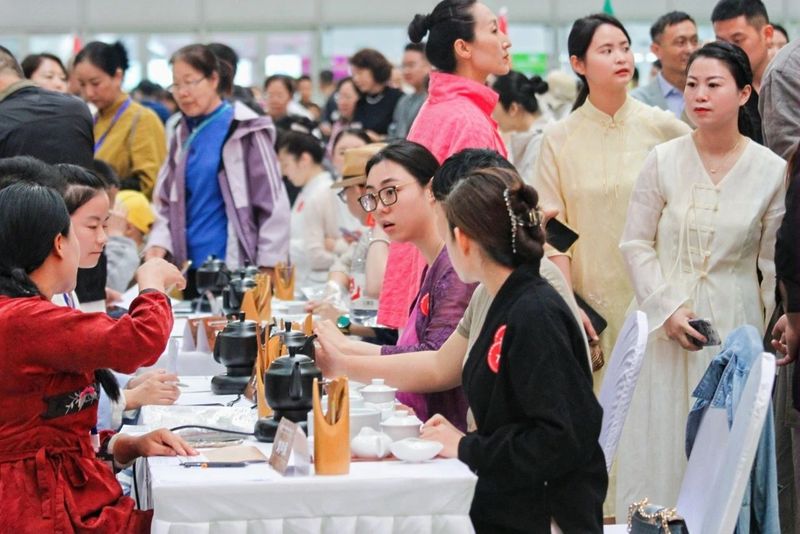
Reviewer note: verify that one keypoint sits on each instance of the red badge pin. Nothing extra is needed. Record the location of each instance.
(300, 206)
(493, 358)
(425, 304)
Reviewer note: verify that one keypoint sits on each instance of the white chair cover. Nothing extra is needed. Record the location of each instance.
(620, 381)
(721, 460)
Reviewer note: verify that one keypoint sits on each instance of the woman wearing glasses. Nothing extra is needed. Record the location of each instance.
(399, 196)
(220, 191)
(127, 135)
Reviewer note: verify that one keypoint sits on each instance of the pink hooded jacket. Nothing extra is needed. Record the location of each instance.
(456, 115)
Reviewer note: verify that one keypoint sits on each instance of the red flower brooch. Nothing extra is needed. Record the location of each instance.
(425, 304)
(493, 358)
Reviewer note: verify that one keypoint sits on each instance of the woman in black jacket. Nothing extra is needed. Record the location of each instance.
(526, 377)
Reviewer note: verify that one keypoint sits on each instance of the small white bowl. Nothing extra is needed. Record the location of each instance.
(378, 392)
(370, 444)
(415, 449)
(401, 425)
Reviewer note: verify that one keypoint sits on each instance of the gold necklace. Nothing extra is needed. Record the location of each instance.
(724, 159)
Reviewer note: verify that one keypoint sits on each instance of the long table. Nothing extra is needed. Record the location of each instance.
(375, 497)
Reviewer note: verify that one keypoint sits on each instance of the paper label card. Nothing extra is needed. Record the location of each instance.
(290, 438)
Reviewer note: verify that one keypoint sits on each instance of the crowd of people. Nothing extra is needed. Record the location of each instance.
(415, 210)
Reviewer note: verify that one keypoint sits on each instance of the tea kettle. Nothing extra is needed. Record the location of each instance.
(288, 385)
(236, 348)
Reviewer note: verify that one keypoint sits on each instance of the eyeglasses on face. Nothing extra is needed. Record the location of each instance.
(387, 196)
(178, 87)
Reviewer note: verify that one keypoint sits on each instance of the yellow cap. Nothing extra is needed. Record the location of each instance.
(140, 214)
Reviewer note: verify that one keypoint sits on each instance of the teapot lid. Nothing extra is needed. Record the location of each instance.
(287, 362)
(238, 323)
(213, 263)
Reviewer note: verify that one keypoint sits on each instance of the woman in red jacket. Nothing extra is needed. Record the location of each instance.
(466, 45)
(50, 477)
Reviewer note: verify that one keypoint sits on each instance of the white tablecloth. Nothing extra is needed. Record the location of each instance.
(376, 497)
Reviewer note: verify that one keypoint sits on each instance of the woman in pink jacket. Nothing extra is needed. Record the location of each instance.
(466, 45)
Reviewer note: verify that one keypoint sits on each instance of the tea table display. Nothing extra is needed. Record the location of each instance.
(376, 496)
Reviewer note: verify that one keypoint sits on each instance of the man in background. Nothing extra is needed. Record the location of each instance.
(674, 38)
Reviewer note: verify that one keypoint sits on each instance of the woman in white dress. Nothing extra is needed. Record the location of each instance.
(701, 225)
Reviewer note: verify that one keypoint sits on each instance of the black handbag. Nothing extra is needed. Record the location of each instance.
(645, 518)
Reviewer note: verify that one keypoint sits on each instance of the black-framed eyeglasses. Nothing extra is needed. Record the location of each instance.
(387, 196)
(342, 194)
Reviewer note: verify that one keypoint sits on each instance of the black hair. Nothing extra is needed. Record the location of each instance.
(282, 78)
(38, 213)
(30, 169)
(495, 208)
(299, 143)
(9, 62)
(460, 165)
(349, 80)
(449, 21)
(753, 10)
(781, 29)
(516, 87)
(355, 132)
(149, 89)
(32, 62)
(104, 56)
(635, 76)
(415, 47)
(326, 76)
(304, 77)
(413, 157)
(202, 59)
(373, 61)
(657, 64)
(664, 21)
(106, 173)
(227, 54)
(580, 37)
(735, 59)
(82, 185)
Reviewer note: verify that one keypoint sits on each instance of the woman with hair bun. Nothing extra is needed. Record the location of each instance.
(522, 365)
(699, 242)
(127, 135)
(466, 46)
(517, 112)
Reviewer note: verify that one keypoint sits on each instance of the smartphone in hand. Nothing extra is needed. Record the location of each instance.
(559, 235)
(705, 327)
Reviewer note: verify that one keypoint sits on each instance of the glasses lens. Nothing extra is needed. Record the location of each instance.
(368, 202)
(388, 195)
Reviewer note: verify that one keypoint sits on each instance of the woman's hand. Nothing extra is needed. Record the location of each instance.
(587, 325)
(328, 358)
(155, 252)
(160, 442)
(156, 388)
(159, 274)
(677, 328)
(437, 428)
(325, 310)
(331, 337)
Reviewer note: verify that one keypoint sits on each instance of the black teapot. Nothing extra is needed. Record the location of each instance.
(288, 385)
(212, 276)
(234, 294)
(236, 348)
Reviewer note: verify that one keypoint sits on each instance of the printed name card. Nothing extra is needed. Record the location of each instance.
(290, 438)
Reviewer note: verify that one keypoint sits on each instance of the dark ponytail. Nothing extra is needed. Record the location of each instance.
(735, 59)
(516, 87)
(495, 208)
(449, 21)
(580, 37)
(104, 56)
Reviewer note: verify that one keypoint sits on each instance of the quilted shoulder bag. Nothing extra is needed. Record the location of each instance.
(645, 518)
